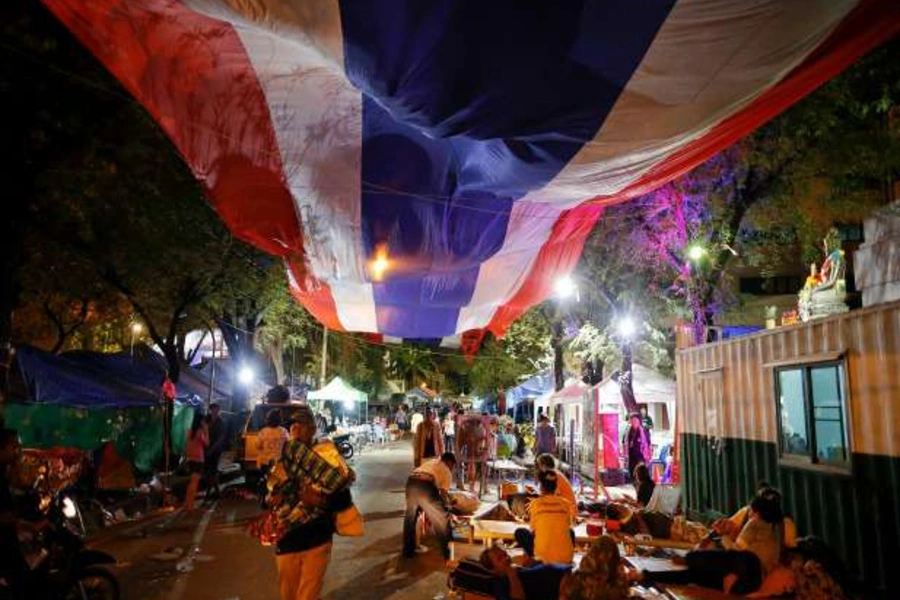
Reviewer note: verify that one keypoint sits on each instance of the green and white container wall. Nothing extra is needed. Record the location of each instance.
(813, 409)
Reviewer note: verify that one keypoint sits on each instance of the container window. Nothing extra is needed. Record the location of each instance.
(812, 410)
(794, 435)
(828, 414)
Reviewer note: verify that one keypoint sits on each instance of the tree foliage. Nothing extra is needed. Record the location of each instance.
(761, 203)
(411, 364)
(523, 351)
(105, 210)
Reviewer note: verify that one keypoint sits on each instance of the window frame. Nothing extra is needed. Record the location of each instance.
(811, 460)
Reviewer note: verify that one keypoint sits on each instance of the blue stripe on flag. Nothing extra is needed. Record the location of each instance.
(473, 104)
(411, 204)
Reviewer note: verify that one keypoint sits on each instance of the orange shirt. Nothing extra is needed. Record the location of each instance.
(551, 522)
(564, 490)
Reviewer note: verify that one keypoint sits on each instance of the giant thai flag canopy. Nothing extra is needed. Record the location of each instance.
(429, 167)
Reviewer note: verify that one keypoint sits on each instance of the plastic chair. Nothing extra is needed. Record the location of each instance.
(658, 465)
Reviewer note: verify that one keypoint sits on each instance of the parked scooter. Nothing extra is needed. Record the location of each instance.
(344, 446)
(59, 566)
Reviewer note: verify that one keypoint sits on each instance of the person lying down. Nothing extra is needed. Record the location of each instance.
(602, 575)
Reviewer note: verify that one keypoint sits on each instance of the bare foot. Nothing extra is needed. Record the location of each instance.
(728, 582)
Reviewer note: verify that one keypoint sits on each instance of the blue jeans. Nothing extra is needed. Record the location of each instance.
(423, 496)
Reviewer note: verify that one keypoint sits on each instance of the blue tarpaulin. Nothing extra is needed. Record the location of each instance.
(93, 379)
(536, 386)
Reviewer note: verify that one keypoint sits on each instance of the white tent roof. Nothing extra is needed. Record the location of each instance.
(650, 387)
(572, 392)
(340, 390)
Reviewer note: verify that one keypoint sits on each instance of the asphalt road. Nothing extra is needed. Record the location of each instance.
(220, 561)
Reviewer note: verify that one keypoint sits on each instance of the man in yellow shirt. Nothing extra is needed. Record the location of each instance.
(550, 538)
(546, 463)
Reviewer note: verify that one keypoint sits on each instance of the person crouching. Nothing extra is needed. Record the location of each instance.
(426, 491)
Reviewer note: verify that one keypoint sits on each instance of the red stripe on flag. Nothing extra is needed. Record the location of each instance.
(867, 26)
(193, 75)
(314, 295)
(557, 257)
(174, 61)
(470, 343)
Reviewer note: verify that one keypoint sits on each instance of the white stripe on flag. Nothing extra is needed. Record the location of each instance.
(709, 60)
(315, 23)
(317, 117)
(454, 341)
(501, 276)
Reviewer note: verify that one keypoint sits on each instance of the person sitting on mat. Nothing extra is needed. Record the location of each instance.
(744, 563)
(732, 525)
(534, 581)
(602, 574)
(550, 538)
(546, 463)
(643, 484)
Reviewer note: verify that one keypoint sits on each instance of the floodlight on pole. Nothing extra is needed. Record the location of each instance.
(565, 287)
(246, 375)
(626, 327)
(696, 252)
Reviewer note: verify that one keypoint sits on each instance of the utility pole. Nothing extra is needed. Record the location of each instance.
(324, 356)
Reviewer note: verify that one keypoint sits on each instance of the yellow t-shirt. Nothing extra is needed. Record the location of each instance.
(564, 490)
(551, 522)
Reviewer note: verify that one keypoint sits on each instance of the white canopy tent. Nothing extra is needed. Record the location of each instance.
(339, 390)
(650, 387)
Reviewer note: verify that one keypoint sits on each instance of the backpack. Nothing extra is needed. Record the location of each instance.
(470, 576)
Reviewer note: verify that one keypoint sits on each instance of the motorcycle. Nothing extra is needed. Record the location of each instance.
(344, 446)
(59, 566)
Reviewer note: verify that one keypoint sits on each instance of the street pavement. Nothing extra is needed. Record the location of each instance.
(208, 555)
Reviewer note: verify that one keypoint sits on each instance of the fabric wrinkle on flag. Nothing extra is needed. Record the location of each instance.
(474, 143)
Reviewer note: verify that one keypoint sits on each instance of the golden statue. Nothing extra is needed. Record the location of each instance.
(825, 289)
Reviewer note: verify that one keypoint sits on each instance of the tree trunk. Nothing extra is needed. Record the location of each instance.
(556, 342)
(277, 356)
(170, 351)
(180, 344)
(238, 329)
(626, 380)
